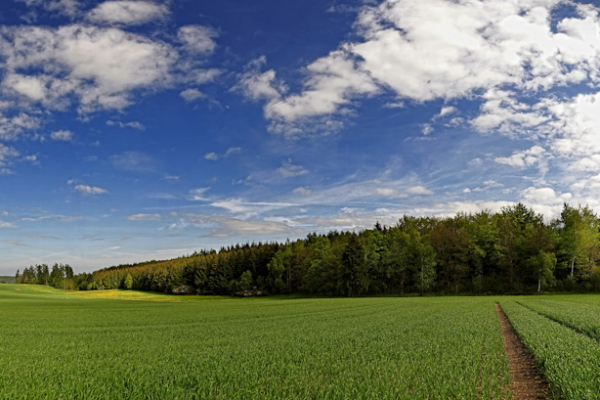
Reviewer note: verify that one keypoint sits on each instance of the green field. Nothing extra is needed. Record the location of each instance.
(134, 345)
(563, 333)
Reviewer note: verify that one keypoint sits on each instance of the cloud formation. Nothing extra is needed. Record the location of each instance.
(89, 190)
(485, 49)
(127, 12)
(62, 136)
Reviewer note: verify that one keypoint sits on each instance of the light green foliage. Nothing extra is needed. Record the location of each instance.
(128, 283)
(578, 242)
(568, 358)
(56, 346)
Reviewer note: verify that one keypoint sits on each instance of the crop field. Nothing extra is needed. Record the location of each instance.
(562, 332)
(56, 345)
(133, 345)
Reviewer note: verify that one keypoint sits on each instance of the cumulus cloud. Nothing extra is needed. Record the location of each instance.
(258, 85)
(545, 200)
(485, 49)
(198, 39)
(523, 159)
(62, 136)
(127, 12)
(78, 61)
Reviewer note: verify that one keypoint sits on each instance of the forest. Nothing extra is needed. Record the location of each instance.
(514, 251)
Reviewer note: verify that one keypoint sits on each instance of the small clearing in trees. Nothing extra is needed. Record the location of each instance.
(527, 382)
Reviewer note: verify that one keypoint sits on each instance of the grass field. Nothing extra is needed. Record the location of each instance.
(563, 334)
(102, 345)
(134, 345)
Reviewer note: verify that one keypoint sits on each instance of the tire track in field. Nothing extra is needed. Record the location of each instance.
(527, 382)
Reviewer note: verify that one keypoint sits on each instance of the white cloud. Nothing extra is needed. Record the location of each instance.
(388, 192)
(79, 61)
(502, 112)
(246, 209)
(419, 191)
(258, 85)
(66, 7)
(289, 170)
(190, 95)
(486, 50)
(144, 217)
(524, 158)
(62, 136)
(128, 12)
(232, 151)
(198, 39)
(89, 190)
(545, 200)
(7, 154)
(133, 124)
(452, 208)
(331, 84)
(13, 126)
(212, 156)
(7, 225)
(223, 227)
(199, 76)
(447, 110)
(426, 129)
(199, 194)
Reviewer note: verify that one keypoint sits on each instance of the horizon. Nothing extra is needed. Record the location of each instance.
(139, 130)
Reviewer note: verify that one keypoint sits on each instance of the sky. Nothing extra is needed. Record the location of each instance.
(140, 130)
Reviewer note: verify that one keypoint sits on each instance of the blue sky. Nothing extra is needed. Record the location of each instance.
(137, 130)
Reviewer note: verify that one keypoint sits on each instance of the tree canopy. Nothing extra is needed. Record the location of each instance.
(513, 251)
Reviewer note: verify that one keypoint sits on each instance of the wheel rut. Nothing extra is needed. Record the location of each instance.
(527, 383)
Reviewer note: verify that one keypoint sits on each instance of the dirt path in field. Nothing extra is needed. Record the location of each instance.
(527, 382)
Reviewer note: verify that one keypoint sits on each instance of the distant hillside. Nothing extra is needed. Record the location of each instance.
(7, 279)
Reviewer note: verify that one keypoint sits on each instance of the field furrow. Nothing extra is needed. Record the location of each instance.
(569, 359)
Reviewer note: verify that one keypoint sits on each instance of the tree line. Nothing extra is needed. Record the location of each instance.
(513, 251)
(61, 276)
